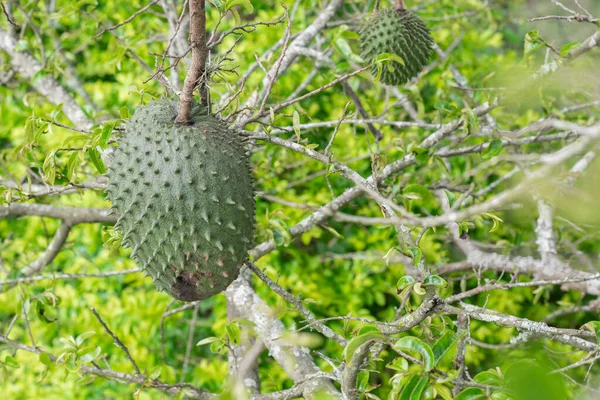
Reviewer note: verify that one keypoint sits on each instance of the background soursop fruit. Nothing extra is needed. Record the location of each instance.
(184, 199)
(398, 32)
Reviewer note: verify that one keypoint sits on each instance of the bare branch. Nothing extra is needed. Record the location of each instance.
(325, 330)
(8, 18)
(48, 255)
(295, 360)
(187, 389)
(197, 68)
(128, 20)
(27, 66)
(117, 341)
(73, 215)
(68, 276)
(352, 369)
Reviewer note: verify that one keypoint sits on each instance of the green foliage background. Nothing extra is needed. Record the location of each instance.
(490, 51)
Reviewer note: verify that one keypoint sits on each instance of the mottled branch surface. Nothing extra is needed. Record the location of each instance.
(196, 75)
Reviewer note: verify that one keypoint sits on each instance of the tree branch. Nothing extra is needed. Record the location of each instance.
(28, 67)
(197, 70)
(60, 237)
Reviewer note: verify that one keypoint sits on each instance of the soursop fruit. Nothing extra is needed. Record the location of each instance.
(184, 199)
(399, 32)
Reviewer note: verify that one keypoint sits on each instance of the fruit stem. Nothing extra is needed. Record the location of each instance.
(400, 5)
(197, 70)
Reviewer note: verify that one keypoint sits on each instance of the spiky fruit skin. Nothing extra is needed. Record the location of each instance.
(184, 199)
(398, 32)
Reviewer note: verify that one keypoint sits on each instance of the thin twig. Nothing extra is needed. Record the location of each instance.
(117, 341)
(112, 28)
(10, 21)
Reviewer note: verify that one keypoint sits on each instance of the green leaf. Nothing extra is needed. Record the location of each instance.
(404, 282)
(533, 41)
(71, 164)
(244, 3)
(155, 372)
(233, 333)
(208, 340)
(489, 377)
(94, 155)
(421, 155)
(451, 197)
(388, 255)
(414, 388)
(30, 130)
(356, 342)
(349, 34)
(418, 288)
(49, 168)
(44, 313)
(388, 57)
(421, 192)
(11, 362)
(594, 326)
(272, 114)
(243, 321)
(399, 364)
(435, 280)
(495, 220)
(296, 123)
(470, 394)
(444, 392)
(500, 395)
(362, 381)
(74, 138)
(442, 345)
(56, 111)
(416, 254)
(567, 48)
(342, 45)
(45, 359)
(218, 4)
(83, 337)
(416, 344)
(105, 135)
(91, 355)
(124, 113)
(494, 148)
(333, 231)
(238, 21)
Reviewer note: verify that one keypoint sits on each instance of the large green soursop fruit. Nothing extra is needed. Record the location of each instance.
(398, 32)
(184, 199)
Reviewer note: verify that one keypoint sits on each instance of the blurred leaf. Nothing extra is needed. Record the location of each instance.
(442, 345)
(471, 394)
(594, 326)
(208, 340)
(567, 48)
(405, 281)
(414, 388)
(416, 344)
(11, 362)
(434, 280)
(45, 359)
(124, 113)
(493, 149)
(94, 155)
(356, 342)
(243, 3)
